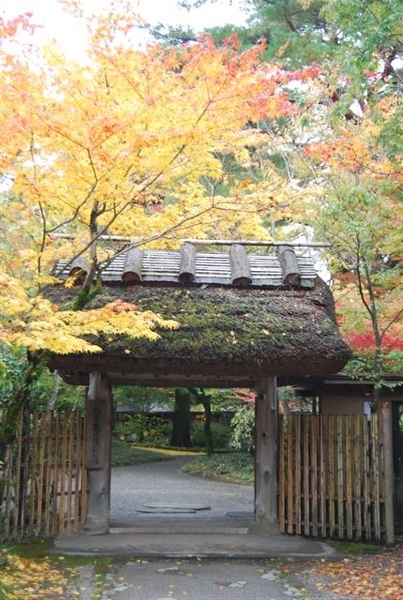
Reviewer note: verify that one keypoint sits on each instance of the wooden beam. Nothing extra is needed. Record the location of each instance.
(132, 266)
(240, 269)
(266, 511)
(79, 269)
(289, 266)
(98, 454)
(187, 270)
(258, 243)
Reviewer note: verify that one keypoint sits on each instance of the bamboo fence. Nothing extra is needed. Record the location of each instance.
(44, 479)
(331, 476)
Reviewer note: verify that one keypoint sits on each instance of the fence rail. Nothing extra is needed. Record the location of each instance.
(331, 476)
(44, 479)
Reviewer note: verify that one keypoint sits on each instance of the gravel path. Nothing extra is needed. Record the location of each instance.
(139, 491)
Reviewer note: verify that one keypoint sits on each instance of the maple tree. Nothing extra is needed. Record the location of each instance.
(129, 143)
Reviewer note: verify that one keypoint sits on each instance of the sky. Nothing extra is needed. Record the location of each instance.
(49, 15)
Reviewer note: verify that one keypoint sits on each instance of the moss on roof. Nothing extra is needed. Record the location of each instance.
(229, 328)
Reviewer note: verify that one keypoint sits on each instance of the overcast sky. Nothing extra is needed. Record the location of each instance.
(56, 25)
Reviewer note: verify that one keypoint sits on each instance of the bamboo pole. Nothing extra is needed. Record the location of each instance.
(314, 474)
(348, 436)
(331, 421)
(291, 496)
(48, 475)
(40, 471)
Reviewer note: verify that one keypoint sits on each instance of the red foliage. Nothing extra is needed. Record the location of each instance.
(366, 341)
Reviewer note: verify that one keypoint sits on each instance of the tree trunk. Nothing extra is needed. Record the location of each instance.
(181, 420)
(208, 434)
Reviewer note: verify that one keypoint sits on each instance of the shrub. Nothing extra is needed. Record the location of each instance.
(143, 429)
(243, 429)
(221, 434)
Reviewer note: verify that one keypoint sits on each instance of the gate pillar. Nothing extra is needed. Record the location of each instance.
(266, 511)
(98, 454)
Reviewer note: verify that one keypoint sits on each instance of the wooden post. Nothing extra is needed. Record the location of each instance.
(266, 511)
(385, 413)
(98, 455)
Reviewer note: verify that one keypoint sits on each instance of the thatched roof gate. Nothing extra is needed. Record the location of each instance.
(245, 319)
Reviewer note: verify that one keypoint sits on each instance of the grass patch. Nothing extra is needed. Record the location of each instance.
(231, 467)
(126, 454)
(355, 548)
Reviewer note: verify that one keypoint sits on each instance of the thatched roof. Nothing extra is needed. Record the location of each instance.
(228, 335)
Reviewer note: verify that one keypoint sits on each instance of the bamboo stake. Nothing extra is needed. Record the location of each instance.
(41, 471)
(70, 467)
(48, 483)
(340, 478)
(56, 503)
(357, 477)
(331, 420)
(322, 475)
(376, 476)
(17, 493)
(349, 468)
(84, 471)
(366, 487)
(63, 476)
(314, 474)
